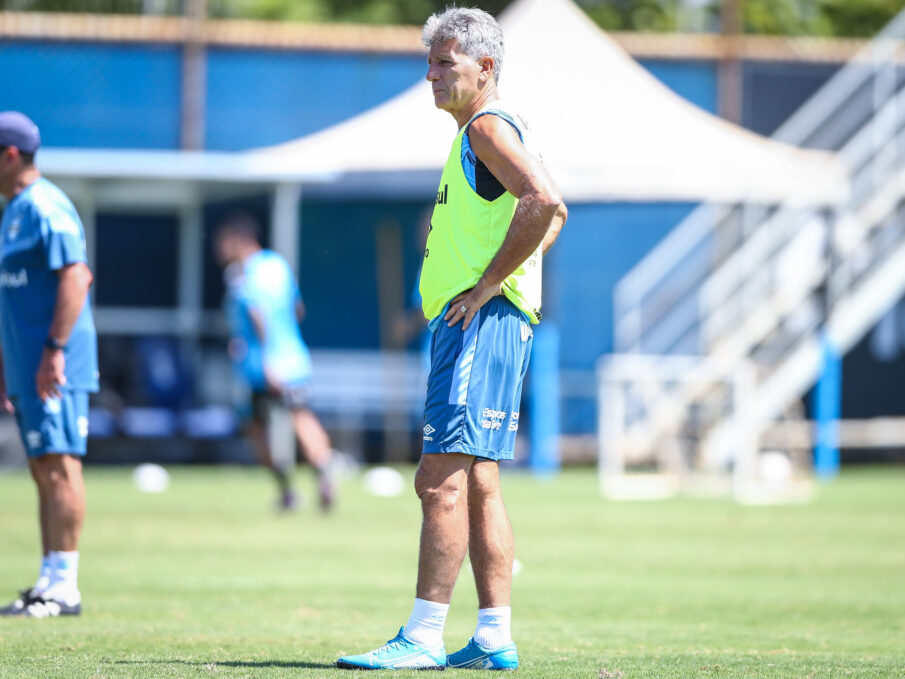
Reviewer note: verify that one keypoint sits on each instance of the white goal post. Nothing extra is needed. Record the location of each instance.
(668, 424)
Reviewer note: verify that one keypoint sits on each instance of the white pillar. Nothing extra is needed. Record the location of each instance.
(191, 256)
(285, 216)
(286, 223)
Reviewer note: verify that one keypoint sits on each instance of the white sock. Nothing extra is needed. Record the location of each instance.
(494, 628)
(64, 580)
(45, 575)
(425, 625)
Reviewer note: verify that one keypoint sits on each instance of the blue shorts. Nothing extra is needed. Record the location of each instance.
(57, 425)
(475, 383)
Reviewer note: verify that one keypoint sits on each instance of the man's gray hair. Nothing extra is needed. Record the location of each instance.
(478, 33)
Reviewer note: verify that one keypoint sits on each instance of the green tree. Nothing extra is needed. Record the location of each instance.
(632, 15)
(94, 6)
(862, 18)
(857, 18)
(353, 11)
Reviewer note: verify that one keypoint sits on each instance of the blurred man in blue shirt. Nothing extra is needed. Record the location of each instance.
(264, 307)
(49, 358)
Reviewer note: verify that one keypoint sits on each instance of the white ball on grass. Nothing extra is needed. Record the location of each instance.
(151, 478)
(384, 482)
(774, 467)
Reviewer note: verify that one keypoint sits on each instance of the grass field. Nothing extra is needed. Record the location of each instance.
(206, 581)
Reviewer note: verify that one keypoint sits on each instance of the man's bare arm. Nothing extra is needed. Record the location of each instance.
(74, 280)
(555, 227)
(499, 147)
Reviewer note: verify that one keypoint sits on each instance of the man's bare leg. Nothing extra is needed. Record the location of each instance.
(64, 506)
(61, 512)
(315, 445)
(312, 437)
(42, 503)
(491, 552)
(43, 581)
(441, 483)
(63, 487)
(490, 535)
(258, 436)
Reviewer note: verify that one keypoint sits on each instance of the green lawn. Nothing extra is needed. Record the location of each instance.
(206, 581)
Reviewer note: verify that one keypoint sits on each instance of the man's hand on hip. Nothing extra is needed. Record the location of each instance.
(466, 304)
(50, 375)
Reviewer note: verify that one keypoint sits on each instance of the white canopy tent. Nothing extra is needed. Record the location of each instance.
(607, 129)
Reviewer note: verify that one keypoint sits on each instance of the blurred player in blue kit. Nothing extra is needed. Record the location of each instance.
(49, 358)
(264, 307)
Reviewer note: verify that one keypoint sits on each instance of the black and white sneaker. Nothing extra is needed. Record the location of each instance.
(39, 607)
(18, 606)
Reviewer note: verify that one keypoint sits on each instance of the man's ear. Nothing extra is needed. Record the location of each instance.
(12, 153)
(486, 64)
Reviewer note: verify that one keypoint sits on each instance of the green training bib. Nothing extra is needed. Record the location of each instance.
(466, 232)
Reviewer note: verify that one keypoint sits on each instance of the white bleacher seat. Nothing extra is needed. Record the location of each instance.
(368, 388)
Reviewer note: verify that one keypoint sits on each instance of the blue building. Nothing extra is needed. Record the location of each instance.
(98, 90)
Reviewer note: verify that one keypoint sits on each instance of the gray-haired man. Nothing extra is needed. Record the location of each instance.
(497, 211)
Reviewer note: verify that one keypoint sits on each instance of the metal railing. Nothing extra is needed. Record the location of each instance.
(856, 113)
(756, 284)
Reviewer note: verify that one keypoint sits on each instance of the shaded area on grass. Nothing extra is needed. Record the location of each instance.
(213, 664)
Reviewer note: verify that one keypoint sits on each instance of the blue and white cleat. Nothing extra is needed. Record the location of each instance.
(476, 657)
(398, 653)
(17, 607)
(41, 606)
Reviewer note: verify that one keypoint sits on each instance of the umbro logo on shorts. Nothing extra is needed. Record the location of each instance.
(428, 430)
(33, 438)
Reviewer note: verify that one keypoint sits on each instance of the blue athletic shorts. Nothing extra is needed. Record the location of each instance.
(57, 425)
(475, 383)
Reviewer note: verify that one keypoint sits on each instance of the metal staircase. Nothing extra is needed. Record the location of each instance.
(756, 286)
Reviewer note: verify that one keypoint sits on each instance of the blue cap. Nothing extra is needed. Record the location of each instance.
(18, 130)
